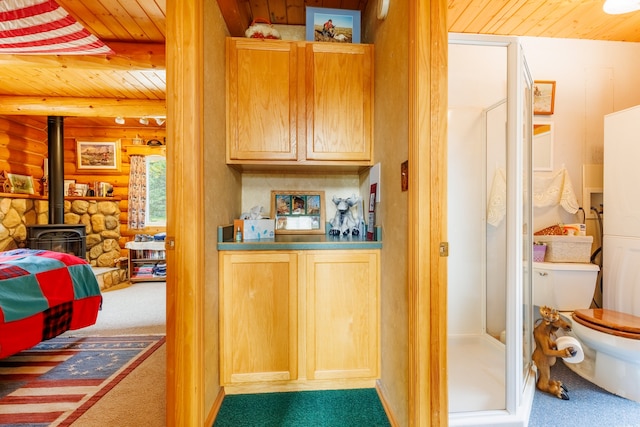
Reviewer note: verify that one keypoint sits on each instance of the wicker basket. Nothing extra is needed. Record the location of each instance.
(567, 248)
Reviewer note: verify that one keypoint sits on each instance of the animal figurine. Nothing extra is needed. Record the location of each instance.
(344, 223)
(544, 356)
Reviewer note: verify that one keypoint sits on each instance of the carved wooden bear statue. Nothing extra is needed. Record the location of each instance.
(544, 356)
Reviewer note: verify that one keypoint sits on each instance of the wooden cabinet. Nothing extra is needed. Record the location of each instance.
(339, 101)
(342, 314)
(299, 103)
(262, 100)
(258, 316)
(294, 320)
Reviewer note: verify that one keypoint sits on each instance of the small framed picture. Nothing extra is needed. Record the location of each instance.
(333, 25)
(98, 155)
(69, 187)
(21, 184)
(544, 94)
(298, 212)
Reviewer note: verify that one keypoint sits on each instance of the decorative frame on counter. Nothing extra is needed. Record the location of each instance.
(298, 212)
(98, 155)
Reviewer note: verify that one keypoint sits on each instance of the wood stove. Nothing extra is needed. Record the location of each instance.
(67, 238)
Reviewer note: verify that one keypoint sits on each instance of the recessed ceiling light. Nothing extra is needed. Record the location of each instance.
(618, 7)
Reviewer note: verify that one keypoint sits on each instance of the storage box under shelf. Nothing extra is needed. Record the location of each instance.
(566, 248)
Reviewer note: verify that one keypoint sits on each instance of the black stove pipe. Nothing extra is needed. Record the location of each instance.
(56, 169)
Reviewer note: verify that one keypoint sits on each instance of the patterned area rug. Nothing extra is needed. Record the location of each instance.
(59, 379)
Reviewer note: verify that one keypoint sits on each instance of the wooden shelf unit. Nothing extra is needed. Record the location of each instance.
(145, 255)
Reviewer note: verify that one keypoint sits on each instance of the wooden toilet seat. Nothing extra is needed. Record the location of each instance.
(609, 321)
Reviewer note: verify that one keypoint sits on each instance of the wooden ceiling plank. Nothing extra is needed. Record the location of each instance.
(156, 14)
(580, 16)
(277, 11)
(131, 16)
(523, 16)
(473, 11)
(334, 4)
(503, 16)
(349, 4)
(259, 9)
(296, 12)
(87, 13)
(545, 16)
(81, 107)
(237, 18)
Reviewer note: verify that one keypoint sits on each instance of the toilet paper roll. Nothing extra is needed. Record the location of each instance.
(567, 341)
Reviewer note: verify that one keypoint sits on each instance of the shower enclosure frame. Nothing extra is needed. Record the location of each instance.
(519, 377)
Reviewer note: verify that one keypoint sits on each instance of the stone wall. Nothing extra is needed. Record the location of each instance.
(101, 218)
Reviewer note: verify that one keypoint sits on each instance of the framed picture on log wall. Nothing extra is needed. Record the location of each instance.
(95, 156)
(21, 184)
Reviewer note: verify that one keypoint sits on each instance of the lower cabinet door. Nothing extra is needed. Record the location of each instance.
(342, 314)
(258, 316)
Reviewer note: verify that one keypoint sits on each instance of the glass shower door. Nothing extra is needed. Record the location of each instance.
(489, 266)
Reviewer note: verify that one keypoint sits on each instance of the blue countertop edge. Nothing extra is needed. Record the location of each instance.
(296, 242)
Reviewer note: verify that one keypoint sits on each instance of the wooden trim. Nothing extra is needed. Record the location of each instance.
(385, 405)
(213, 413)
(185, 225)
(127, 56)
(427, 282)
(81, 107)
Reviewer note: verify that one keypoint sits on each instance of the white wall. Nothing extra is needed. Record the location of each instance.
(593, 78)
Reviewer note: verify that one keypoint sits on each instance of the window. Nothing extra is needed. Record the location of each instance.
(156, 209)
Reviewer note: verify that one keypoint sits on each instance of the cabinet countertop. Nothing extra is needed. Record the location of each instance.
(295, 242)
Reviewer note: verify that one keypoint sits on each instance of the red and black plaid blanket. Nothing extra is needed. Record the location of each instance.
(43, 294)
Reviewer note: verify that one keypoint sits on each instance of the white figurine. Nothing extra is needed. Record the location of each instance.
(344, 223)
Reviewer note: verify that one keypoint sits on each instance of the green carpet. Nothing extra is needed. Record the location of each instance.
(339, 408)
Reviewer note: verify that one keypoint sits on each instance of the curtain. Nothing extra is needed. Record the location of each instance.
(137, 192)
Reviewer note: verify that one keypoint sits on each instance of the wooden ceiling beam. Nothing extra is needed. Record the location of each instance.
(128, 56)
(81, 107)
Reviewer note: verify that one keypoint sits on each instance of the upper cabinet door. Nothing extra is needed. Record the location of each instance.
(339, 101)
(261, 100)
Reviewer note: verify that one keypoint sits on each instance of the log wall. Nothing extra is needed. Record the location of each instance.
(24, 147)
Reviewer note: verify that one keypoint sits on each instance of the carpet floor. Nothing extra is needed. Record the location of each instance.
(330, 408)
(58, 380)
(588, 405)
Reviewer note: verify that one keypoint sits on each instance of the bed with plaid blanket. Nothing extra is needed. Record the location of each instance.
(43, 294)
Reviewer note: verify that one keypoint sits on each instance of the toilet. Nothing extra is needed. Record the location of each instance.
(610, 339)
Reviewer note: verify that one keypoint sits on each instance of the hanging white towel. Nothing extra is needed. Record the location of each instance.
(554, 188)
(497, 206)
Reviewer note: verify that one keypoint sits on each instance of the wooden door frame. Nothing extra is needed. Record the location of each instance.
(427, 274)
(185, 213)
(427, 213)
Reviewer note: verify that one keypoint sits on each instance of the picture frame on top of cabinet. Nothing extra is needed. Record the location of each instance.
(95, 156)
(332, 25)
(544, 96)
(298, 212)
